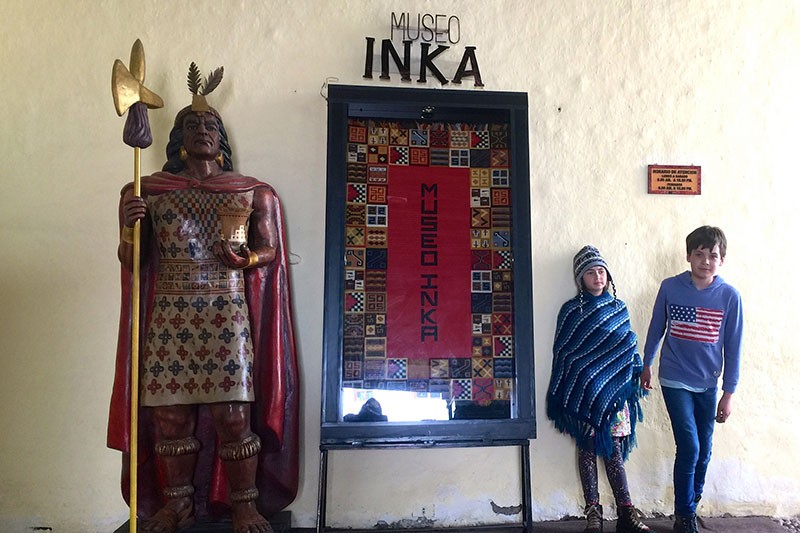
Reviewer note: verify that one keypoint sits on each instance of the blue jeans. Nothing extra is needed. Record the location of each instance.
(692, 417)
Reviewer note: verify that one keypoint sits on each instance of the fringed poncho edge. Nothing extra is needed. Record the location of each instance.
(596, 369)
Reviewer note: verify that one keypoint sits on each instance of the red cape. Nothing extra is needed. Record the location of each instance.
(274, 415)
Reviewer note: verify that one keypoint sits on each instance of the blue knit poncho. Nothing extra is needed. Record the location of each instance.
(596, 369)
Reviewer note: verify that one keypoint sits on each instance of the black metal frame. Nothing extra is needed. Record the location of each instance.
(354, 101)
(435, 105)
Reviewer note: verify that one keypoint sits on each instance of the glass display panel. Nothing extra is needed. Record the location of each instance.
(428, 302)
(428, 306)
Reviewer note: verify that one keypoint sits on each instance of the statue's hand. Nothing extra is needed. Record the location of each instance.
(133, 208)
(224, 253)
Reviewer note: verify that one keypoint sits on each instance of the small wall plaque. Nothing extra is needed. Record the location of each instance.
(672, 179)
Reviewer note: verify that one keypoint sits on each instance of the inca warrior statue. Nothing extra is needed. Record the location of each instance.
(218, 385)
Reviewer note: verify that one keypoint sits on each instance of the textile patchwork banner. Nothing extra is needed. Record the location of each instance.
(428, 261)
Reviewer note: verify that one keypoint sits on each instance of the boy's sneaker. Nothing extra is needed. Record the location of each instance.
(629, 520)
(594, 518)
(685, 524)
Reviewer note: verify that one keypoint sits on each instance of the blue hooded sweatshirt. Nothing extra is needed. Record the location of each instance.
(703, 333)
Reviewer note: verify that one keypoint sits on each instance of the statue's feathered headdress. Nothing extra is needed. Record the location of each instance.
(201, 88)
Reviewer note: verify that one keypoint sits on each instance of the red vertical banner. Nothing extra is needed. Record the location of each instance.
(428, 311)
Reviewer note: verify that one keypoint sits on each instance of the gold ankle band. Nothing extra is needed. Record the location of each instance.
(236, 451)
(175, 447)
(184, 491)
(242, 496)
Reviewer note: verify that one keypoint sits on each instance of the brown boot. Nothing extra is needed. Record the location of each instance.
(629, 520)
(594, 518)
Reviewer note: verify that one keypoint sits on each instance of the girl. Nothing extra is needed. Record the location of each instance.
(594, 387)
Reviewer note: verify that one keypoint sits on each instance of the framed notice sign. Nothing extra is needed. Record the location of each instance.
(428, 307)
(671, 179)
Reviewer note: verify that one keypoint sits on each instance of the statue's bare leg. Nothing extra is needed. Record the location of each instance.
(239, 448)
(177, 448)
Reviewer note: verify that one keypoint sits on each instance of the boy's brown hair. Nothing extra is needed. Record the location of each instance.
(706, 237)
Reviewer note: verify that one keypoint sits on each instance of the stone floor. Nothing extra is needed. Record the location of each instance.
(749, 524)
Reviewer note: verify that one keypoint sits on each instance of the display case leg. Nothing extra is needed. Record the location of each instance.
(323, 490)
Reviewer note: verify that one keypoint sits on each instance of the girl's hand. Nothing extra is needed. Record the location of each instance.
(645, 378)
(224, 253)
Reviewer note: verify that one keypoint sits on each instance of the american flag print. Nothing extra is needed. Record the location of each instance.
(695, 323)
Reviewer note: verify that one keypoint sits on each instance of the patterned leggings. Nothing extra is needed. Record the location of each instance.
(615, 470)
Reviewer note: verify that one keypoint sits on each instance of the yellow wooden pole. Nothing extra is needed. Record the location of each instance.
(128, 90)
(134, 452)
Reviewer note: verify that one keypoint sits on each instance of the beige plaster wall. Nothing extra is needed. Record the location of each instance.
(612, 86)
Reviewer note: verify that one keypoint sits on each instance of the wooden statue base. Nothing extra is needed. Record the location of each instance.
(280, 522)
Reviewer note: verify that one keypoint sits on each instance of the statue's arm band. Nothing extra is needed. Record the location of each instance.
(127, 234)
(252, 259)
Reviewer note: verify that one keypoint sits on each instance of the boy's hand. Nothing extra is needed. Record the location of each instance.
(645, 378)
(724, 407)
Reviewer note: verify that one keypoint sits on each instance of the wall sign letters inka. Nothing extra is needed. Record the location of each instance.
(427, 29)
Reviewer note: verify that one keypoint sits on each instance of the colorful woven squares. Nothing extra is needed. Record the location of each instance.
(375, 348)
(354, 280)
(398, 155)
(419, 137)
(352, 369)
(499, 177)
(374, 151)
(354, 258)
(502, 324)
(482, 367)
(376, 194)
(378, 154)
(459, 158)
(481, 325)
(418, 156)
(356, 153)
(479, 177)
(353, 302)
(377, 174)
(397, 369)
(356, 193)
(378, 135)
(354, 236)
(480, 139)
(461, 389)
(481, 281)
(440, 138)
(358, 134)
(440, 368)
(503, 346)
(483, 389)
(356, 172)
(398, 136)
(377, 215)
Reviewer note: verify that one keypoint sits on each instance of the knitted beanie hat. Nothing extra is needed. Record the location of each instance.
(588, 257)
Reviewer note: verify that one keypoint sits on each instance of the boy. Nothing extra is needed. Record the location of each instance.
(702, 316)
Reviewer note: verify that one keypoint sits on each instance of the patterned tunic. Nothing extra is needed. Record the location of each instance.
(198, 347)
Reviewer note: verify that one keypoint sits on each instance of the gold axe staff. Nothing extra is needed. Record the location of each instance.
(131, 95)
